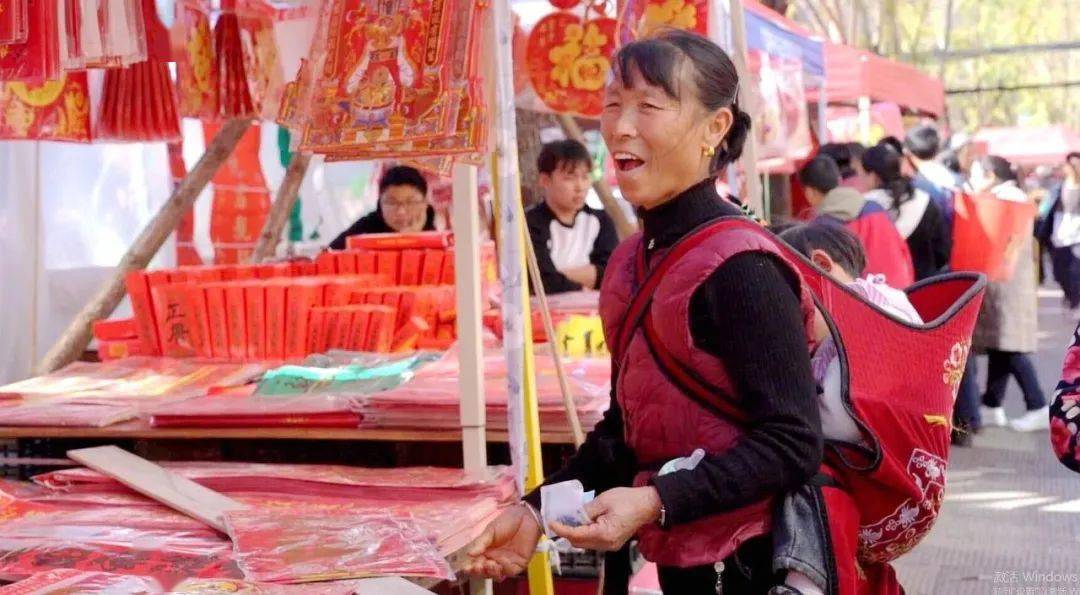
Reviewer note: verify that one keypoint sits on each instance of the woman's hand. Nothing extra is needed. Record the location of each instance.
(506, 545)
(617, 515)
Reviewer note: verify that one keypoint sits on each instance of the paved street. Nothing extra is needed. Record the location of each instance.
(1011, 519)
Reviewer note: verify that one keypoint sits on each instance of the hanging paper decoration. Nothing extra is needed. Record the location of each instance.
(196, 67)
(391, 78)
(52, 110)
(138, 103)
(158, 44)
(268, 32)
(642, 18)
(186, 253)
(377, 82)
(241, 200)
(14, 21)
(37, 58)
(568, 61)
(234, 97)
(102, 33)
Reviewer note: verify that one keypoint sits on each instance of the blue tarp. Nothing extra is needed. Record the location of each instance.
(776, 40)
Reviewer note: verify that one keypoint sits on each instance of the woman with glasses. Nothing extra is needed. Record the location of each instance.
(403, 207)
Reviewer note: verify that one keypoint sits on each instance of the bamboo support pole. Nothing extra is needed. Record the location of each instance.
(549, 329)
(282, 207)
(77, 335)
(623, 226)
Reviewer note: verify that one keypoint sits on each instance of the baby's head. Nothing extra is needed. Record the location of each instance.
(832, 248)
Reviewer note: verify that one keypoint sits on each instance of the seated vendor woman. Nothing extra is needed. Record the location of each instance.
(403, 207)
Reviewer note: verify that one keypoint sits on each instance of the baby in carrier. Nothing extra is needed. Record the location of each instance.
(839, 253)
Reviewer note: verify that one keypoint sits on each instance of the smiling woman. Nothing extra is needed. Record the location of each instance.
(660, 88)
(713, 299)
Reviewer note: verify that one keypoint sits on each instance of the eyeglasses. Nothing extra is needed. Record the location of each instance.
(411, 204)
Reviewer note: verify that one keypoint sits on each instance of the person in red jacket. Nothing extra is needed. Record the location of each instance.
(718, 301)
(886, 251)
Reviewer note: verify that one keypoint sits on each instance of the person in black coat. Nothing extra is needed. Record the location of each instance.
(403, 207)
(918, 219)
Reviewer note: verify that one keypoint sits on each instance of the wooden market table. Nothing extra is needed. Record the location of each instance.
(141, 430)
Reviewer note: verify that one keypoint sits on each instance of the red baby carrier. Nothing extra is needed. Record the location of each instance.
(988, 232)
(900, 383)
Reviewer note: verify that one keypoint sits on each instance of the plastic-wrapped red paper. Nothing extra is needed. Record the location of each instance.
(88, 413)
(61, 581)
(134, 378)
(431, 399)
(410, 483)
(150, 541)
(300, 549)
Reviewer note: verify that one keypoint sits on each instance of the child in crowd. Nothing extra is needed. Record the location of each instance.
(798, 538)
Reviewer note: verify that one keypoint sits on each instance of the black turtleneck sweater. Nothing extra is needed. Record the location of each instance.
(746, 314)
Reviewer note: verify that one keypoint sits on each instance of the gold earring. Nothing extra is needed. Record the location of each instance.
(709, 150)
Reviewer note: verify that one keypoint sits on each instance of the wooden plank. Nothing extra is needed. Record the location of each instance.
(390, 585)
(159, 484)
(469, 328)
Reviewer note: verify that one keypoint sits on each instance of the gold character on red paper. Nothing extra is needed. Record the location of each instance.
(579, 61)
(679, 14)
(568, 59)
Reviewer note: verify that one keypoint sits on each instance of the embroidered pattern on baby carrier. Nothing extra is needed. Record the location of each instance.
(897, 533)
(954, 366)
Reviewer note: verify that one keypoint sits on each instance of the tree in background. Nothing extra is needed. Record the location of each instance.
(953, 38)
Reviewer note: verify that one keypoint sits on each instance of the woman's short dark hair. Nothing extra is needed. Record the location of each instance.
(562, 154)
(657, 60)
(840, 244)
(1000, 167)
(403, 175)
